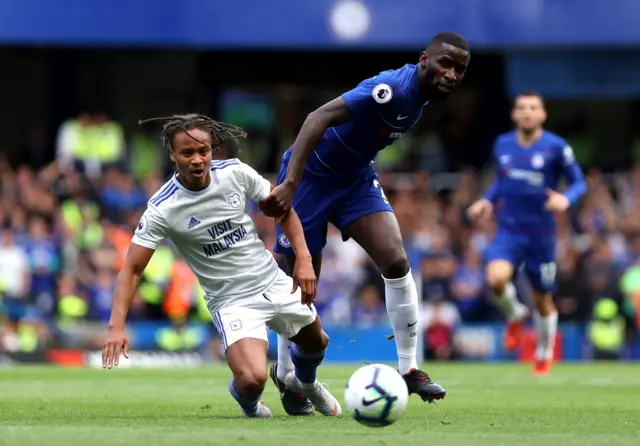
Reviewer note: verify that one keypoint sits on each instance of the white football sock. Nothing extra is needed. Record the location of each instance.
(285, 364)
(546, 329)
(402, 308)
(509, 304)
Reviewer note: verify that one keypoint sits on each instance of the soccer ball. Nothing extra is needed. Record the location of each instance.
(376, 395)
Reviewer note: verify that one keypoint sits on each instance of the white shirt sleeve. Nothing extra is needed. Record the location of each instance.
(151, 229)
(256, 186)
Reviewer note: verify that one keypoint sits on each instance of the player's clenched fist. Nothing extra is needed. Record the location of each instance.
(305, 277)
(116, 341)
(480, 210)
(278, 203)
(556, 202)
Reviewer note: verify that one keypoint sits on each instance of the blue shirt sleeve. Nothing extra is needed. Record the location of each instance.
(492, 193)
(573, 174)
(370, 94)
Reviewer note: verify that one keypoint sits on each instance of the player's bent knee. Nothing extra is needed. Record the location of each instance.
(247, 359)
(499, 274)
(319, 342)
(324, 341)
(250, 380)
(496, 283)
(312, 338)
(396, 268)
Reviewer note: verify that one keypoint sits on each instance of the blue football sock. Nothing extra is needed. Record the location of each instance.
(306, 363)
(248, 405)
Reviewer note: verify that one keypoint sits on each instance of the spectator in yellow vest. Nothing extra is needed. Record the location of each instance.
(89, 143)
(607, 330)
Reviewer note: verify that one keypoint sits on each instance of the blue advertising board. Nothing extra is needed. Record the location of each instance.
(319, 23)
(481, 342)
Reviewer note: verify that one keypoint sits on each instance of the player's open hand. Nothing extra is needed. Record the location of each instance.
(480, 210)
(116, 341)
(305, 278)
(279, 201)
(556, 202)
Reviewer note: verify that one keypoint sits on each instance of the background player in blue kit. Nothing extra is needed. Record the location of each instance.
(328, 177)
(530, 162)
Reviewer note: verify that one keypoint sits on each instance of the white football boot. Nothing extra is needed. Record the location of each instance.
(262, 411)
(321, 398)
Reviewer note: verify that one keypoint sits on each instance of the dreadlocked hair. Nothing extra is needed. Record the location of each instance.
(220, 132)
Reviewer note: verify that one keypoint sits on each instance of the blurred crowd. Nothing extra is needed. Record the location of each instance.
(65, 228)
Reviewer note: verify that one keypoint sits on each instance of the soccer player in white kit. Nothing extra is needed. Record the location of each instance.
(202, 210)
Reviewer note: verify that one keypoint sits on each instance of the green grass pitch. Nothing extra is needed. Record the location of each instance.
(486, 404)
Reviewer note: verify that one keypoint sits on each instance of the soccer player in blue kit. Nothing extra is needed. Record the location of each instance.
(530, 162)
(328, 177)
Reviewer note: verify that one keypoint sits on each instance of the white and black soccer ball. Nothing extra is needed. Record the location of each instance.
(376, 395)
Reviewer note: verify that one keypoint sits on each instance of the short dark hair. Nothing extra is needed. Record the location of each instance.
(219, 131)
(529, 94)
(450, 37)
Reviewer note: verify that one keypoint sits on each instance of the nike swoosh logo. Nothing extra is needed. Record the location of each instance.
(400, 117)
(370, 402)
(411, 325)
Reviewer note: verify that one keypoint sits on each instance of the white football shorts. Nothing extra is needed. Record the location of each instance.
(276, 309)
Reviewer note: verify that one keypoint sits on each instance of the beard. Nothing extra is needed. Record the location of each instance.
(433, 92)
(528, 131)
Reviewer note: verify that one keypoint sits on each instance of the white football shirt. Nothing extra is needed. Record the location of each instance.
(214, 232)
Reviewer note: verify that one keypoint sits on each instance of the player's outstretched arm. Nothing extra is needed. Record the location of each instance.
(330, 114)
(128, 280)
(303, 273)
(336, 112)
